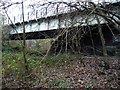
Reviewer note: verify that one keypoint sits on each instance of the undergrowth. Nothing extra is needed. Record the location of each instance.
(13, 65)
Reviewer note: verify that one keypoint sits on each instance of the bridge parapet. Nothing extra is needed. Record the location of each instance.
(45, 21)
(41, 12)
(47, 11)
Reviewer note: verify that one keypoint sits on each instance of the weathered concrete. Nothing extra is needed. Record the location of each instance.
(81, 36)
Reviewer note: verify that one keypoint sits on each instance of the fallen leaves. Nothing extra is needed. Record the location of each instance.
(75, 75)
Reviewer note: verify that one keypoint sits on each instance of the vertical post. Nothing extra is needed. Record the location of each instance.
(57, 9)
(20, 18)
(46, 11)
(36, 14)
(8, 21)
(48, 21)
(3, 20)
(14, 19)
(71, 18)
(58, 23)
(28, 16)
(58, 16)
(40, 14)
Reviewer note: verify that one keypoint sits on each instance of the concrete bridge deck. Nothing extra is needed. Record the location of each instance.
(49, 27)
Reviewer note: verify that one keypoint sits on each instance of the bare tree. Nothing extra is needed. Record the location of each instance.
(69, 38)
(5, 5)
(104, 11)
(24, 40)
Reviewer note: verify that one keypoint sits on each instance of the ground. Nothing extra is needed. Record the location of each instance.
(72, 71)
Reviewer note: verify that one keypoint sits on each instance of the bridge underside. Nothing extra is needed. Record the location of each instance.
(34, 35)
(88, 42)
(85, 39)
(54, 32)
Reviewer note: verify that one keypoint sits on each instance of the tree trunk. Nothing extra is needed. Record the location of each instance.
(101, 37)
(24, 43)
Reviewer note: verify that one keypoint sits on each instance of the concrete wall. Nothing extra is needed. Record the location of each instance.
(41, 45)
(56, 23)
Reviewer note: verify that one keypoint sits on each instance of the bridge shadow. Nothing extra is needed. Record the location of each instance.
(85, 39)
